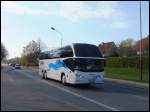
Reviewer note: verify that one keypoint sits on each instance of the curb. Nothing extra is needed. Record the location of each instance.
(133, 83)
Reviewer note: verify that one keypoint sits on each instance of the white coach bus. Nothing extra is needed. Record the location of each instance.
(78, 63)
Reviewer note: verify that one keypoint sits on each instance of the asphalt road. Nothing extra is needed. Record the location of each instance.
(23, 90)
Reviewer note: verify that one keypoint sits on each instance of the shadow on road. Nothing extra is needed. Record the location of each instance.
(10, 70)
(81, 86)
(108, 87)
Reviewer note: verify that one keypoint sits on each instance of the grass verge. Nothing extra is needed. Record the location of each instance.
(127, 74)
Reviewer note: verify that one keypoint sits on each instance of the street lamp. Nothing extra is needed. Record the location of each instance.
(59, 33)
(140, 42)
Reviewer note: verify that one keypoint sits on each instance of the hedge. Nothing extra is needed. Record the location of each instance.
(127, 62)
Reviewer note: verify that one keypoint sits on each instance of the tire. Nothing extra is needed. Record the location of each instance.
(43, 75)
(63, 80)
(46, 75)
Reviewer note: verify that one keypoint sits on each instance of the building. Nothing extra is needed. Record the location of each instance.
(145, 46)
(108, 49)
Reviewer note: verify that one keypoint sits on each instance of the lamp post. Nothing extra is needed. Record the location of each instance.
(140, 42)
(59, 33)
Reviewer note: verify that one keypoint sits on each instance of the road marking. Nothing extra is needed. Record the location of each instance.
(32, 77)
(141, 97)
(129, 83)
(83, 97)
(9, 78)
(78, 95)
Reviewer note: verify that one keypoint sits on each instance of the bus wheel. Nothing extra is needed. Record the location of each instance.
(43, 75)
(63, 80)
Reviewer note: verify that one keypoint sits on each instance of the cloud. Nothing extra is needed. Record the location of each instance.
(119, 24)
(106, 10)
(15, 7)
(75, 11)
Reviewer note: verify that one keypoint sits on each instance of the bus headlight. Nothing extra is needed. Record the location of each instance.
(78, 75)
(98, 76)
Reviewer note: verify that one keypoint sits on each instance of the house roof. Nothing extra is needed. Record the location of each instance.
(105, 46)
(145, 42)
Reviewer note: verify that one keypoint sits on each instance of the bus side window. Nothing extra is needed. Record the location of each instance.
(44, 55)
(41, 56)
(66, 52)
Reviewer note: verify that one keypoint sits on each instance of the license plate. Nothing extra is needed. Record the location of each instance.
(91, 74)
(91, 80)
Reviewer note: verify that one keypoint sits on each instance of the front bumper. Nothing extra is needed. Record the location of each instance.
(88, 78)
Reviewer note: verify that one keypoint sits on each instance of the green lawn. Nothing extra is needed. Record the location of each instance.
(127, 74)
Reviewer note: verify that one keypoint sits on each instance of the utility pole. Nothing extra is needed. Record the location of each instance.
(140, 42)
(59, 33)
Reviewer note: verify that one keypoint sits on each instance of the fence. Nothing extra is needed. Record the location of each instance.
(128, 62)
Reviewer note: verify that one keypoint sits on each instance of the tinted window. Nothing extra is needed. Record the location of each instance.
(89, 65)
(56, 53)
(70, 63)
(85, 65)
(66, 52)
(45, 55)
(86, 50)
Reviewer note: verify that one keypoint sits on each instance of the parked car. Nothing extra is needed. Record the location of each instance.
(12, 64)
(17, 66)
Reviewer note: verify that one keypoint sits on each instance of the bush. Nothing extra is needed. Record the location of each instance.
(29, 60)
(128, 62)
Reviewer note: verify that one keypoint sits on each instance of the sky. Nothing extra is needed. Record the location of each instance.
(90, 22)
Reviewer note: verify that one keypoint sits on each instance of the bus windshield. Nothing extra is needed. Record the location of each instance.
(85, 65)
(87, 50)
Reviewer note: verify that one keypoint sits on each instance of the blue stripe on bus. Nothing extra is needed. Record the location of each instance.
(58, 64)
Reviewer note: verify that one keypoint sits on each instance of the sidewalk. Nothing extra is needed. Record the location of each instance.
(36, 68)
(133, 83)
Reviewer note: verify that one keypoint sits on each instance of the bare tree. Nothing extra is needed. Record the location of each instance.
(31, 52)
(113, 51)
(4, 52)
(41, 44)
(14, 60)
(125, 47)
